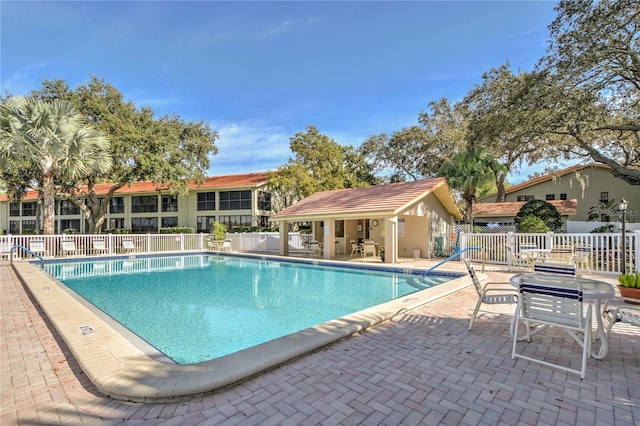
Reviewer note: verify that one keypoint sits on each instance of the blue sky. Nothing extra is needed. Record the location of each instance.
(259, 72)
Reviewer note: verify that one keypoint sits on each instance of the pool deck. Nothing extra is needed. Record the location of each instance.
(422, 367)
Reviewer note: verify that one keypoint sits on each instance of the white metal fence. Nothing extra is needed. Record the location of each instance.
(605, 249)
(51, 246)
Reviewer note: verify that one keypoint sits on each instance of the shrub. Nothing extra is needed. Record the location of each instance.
(218, 230)
(69, 231)
(542, 210)
(532, 224)
(178, 230)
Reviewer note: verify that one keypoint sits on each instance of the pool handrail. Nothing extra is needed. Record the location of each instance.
(453, 256)
(28, 251)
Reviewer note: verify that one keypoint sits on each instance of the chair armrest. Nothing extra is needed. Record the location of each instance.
(495, 284)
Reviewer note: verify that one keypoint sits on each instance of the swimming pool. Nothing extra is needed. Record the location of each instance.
(200, 307)
(111, 357)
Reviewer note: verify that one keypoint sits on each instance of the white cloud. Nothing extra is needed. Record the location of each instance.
(249, 147)
(274, 30)
(25, 79)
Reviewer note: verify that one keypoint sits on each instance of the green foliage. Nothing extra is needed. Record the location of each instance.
(602, 211)
(467, 171)
(178, 230)
(218, 230)
(167, 150)
(417, 152)
(51, 142)
(631, 280)
(69, 231)
(319, 164)
(118, 231)
(543, 210)
(532, 224)
(604, 229)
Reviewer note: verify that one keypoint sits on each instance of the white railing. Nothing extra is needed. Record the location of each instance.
(605, 255)
(52, 246)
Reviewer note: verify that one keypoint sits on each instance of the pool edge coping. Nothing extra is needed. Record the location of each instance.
(122, 371)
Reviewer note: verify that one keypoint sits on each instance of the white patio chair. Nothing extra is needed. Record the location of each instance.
(582, 256)
(355, 248)
(226, 245)
(623, 314)
(561, 253)
(69, 248)
(555, 268)
(5, 249)
(553, 306)
(492, 293)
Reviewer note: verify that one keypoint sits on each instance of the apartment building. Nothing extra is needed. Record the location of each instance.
(145, 207)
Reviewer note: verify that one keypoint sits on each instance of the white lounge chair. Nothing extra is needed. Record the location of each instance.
(99, 245)
(69, 247)
(492, 293)
(555, 306)
(226, 245)
(38, 247)
(561, 253)
(623, 314)
(128, 246)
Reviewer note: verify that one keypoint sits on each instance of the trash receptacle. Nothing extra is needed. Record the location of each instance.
(416, 254)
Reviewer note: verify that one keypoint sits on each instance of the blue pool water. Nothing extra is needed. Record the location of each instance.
(199, 307)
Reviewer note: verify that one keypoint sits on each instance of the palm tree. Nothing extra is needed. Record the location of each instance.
(55, 141)
(467, 172)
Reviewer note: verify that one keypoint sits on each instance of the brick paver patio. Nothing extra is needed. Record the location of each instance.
(423, 367)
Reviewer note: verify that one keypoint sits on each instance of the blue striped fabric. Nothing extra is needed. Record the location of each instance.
(555, 268)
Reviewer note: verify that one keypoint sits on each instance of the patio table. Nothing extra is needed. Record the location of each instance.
(593, 291)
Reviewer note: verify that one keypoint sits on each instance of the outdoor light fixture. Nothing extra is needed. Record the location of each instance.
(622, 207)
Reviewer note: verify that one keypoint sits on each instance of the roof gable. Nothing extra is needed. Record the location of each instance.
(387, 199)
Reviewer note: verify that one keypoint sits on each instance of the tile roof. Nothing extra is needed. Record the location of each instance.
(565, 207)
(240, 181)
(377, 199)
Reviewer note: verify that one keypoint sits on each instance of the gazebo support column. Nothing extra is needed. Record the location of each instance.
(391, 240)
(329, 239)
(283, 242)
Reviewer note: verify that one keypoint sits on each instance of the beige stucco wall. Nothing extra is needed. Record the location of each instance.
(586, 186)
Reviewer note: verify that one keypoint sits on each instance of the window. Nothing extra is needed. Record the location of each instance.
(144, 204)
(169, 222)
(144, 224)
(14, 226)
(116, 205)
(550, 197)
(264, 200)
(604, 197)
(68, 208)
(235, 220)
(70, 224)
(203, 223)
(563, 196)
(169, 203)
(235, 200)
(29, 209)
(116, 223)
(525, 197)
(206, 201)
(28, 226)
(264, 221)
(14, 209)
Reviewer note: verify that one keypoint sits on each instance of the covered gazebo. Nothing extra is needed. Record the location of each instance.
(404, 218)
